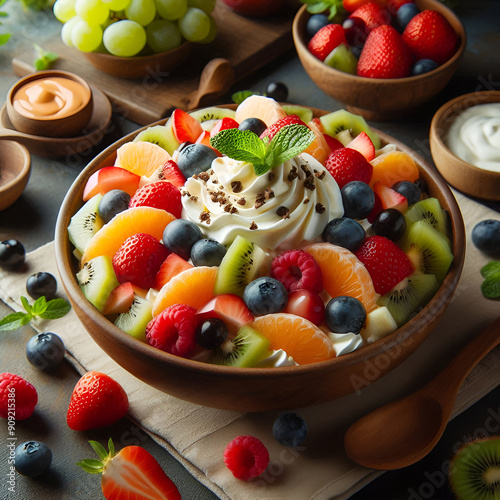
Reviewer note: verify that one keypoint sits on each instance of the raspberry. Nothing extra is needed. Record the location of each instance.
(246, 457)
(161, 194)
(282, 122)
(16, 391)
(385, 261)
(173, 330)
(297, 270)
(348, 165)
(139, 259)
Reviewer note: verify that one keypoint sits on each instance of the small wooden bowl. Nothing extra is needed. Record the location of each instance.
(460, 174)
(15, 170)
(373, 98)
(140, 66)
(66, 126)
(255, 389)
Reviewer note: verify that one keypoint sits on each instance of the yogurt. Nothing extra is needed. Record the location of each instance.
(475, 136)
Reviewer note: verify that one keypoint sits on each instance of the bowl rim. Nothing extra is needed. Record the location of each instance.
(299, 41)
(440, 299)
(25, 169)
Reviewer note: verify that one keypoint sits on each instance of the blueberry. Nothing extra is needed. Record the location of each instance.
(486, 236)
(180, 236)
(390, 223)
(315, 23)
(41, 283)
(290, 429)
(344, 232)
(195, 158)
(358, 199)
(211, 333)
(32, 458)
(356, 51)
(113, 202)
(207, 253)
(45, 350)
(277, 91)
(355, 31)
(423, 66)
(409, 190)
(12, 254)
(255, 125)
(265, 295)
(405, 14)
(345, 314)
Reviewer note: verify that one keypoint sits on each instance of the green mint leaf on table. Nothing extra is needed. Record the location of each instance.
(39, 306)
(491, 288)
(14, 321)
(491, 269)
(43, 58)
(56, 308)
(240, 96)
(26, 305)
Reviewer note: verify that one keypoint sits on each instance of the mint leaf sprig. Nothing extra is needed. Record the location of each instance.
(244, 145)
(53, 309)
(491, 284)
(43, 58)
(330, 7)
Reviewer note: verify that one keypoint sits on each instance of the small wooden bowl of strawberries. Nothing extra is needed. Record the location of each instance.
(382, 62)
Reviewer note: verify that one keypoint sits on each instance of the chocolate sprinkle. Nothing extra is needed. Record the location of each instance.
(205, 217)
(319, 208)
(293, 173)
(253, 226)
(236, 186)
(203, 176)
(309, 183)
(268, 193)
(320, 175)
(283, 212)
(241, 201)
(270, 176)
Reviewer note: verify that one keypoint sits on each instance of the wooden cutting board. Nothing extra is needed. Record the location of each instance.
(243, 44)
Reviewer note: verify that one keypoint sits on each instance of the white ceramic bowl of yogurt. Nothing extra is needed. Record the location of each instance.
(465, 143)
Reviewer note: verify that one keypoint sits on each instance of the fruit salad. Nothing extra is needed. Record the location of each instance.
(259, 237)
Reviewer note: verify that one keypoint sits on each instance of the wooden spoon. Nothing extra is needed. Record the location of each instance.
(402, 432)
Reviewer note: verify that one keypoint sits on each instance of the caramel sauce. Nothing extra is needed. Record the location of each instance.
(50, 98)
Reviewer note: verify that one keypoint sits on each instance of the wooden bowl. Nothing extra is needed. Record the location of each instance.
(15, 170)
(379, 99)
(256, 389)
(49, 126)
(140, 66)
(460, 174)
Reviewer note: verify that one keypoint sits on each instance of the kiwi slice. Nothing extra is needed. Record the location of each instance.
(345, 137)
(212, 113)
(305, 114)
(428, 250)
(97, 279)
(161, 135)
(85, 223)
(475, 470)
(245, 350)
(429, 210)
(409, 296)
(241, 264)
(341, 119)
(134, 321)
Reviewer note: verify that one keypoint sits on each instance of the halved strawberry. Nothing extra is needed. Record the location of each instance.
(161, 194)
(169, 171)
(230, 308)
(108, 178)
(373, 15)
(272, 130)
(185, 127)
(120, 299)
(377, 207)
(325, 40)
(332, 142)
(224, 124)
(364, 145)
(346, 165)
(352, 5)
(132, 473)
(172, 266)
(204, 138)
(390, 198)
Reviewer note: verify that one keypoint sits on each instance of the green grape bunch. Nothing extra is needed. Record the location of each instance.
(126, 28)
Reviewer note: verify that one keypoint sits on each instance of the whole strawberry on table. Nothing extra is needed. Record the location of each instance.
(381, 38)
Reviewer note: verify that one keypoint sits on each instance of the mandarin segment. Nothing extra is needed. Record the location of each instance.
(135, 220)
(343, 273)
(297, 336)
(393, 167)
(318, 148)
(255, 106)
(194, 287)
(141, 158)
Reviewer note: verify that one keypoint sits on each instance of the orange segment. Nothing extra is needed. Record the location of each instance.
(256, 106)
(343, 273)
(135, 220)
(393, 167)
(194, 287)
(318, 148)
(141, 158)
(297, 336)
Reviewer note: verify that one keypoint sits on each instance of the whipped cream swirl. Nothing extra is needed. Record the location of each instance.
(281, 209)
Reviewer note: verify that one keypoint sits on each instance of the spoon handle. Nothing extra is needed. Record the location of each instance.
(455, 372)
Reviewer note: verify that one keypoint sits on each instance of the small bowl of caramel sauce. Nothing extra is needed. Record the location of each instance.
(50, 104)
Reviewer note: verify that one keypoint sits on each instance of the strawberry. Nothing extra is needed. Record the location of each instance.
(364, 145)
(18, 397)
(325, 40)
(373, 15)
(272, 130)
(430, 36)
(108, 178)
(385, 261)
(394, 5)
(160, 194)
(348, 165)
(204, 138)
(333, 143)
(224, 124)
(385, 55)
(185, 127)
(132, 473)
(172, 266)
(377, 207)
(390, 198)
(169, 171)
(120, 299)
(139, 259)
(97, 401)
(352, 5)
